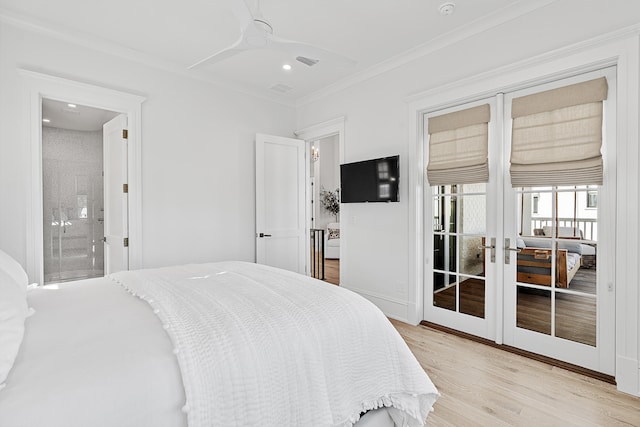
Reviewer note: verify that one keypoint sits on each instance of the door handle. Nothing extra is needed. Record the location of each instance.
(264, 235)
(508, 249)
(492, 246)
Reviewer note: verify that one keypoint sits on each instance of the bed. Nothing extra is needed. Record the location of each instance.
(534, 261)
(228, 344)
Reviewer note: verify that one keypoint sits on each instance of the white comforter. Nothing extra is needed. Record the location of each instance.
(92, 356)
(262, 346)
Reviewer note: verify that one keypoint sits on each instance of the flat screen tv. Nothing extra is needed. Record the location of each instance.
(373, 180)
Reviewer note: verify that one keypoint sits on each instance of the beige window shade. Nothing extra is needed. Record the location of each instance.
(458, 147)
(557, 136)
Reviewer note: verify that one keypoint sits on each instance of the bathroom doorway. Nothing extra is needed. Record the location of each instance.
(72, 190)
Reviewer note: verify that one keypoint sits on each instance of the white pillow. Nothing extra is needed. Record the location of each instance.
(13, 268)
(13, 311)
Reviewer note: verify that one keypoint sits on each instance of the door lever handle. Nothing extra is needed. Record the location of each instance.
(508, 249)
(264, 235)
(492, 246)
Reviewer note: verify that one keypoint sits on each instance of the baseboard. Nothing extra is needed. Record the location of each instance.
(393, 308)
(628, 375)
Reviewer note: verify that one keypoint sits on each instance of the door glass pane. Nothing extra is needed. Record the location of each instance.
(444, 295)
(459, 224)
(450, 254)
(444, 213)
(473, 213)
(438, 251)
(533, 310)
(576, 318)
(558, 237)
(534, 266)
(472, 255)
(472, 295)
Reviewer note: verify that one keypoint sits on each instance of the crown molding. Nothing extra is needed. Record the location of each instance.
(474, 28)
(104, 46)
(319, 130)
(611, 37)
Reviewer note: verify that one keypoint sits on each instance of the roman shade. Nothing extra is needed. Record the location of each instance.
(557, 136)
(458, 147)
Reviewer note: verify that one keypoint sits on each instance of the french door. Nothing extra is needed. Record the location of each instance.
(462, 222)
(559, 296)
(531, 268)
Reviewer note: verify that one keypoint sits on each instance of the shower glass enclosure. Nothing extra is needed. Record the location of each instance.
(73, 204)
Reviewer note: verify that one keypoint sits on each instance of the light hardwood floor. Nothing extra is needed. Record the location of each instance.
(485, 386)
(332, 271)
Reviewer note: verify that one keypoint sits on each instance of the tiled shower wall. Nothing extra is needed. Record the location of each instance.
(73, 204)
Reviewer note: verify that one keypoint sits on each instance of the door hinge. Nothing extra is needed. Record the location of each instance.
(125, 134)
(125, 188)
(126, 242)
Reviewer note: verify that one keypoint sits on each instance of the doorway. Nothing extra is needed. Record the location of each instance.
(330, 130)
(72, 190)
(43, 86)
(325, 202)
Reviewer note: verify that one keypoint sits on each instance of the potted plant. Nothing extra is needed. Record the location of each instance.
(330, 201)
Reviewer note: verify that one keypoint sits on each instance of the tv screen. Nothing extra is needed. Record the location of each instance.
(370, 181)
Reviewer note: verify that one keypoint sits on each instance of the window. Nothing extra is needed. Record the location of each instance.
(592, 199)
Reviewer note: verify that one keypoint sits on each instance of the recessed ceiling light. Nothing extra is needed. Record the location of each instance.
(286, 67)
(447, 8)
(72, 105)
(45, 120)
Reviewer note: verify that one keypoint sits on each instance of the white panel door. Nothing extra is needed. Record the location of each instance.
(116, 225)
(280, 202)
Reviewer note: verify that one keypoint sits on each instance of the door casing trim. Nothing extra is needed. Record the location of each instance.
(38, 86)
(312, 133)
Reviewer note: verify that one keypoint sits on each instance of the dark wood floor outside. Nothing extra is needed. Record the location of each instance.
(575, 316)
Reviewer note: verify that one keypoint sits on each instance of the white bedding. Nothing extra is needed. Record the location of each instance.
(89, 351)
(116, 366)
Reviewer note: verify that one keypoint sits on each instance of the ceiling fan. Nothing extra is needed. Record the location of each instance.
(257, 33)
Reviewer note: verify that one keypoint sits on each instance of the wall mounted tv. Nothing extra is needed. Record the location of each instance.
(373, 180)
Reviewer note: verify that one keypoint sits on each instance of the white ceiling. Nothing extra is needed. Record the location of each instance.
(175, 34)
(62, 115)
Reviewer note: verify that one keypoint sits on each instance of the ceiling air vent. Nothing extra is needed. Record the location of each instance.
(307, 61)
(279, 87)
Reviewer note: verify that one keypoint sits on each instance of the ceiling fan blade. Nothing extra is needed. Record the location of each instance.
(225, 53)
(308, 51)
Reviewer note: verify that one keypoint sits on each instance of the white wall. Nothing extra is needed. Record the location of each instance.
(198, 180)
(379, 242)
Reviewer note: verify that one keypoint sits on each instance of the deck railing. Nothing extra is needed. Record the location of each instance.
(588, 226)
(317, 253)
